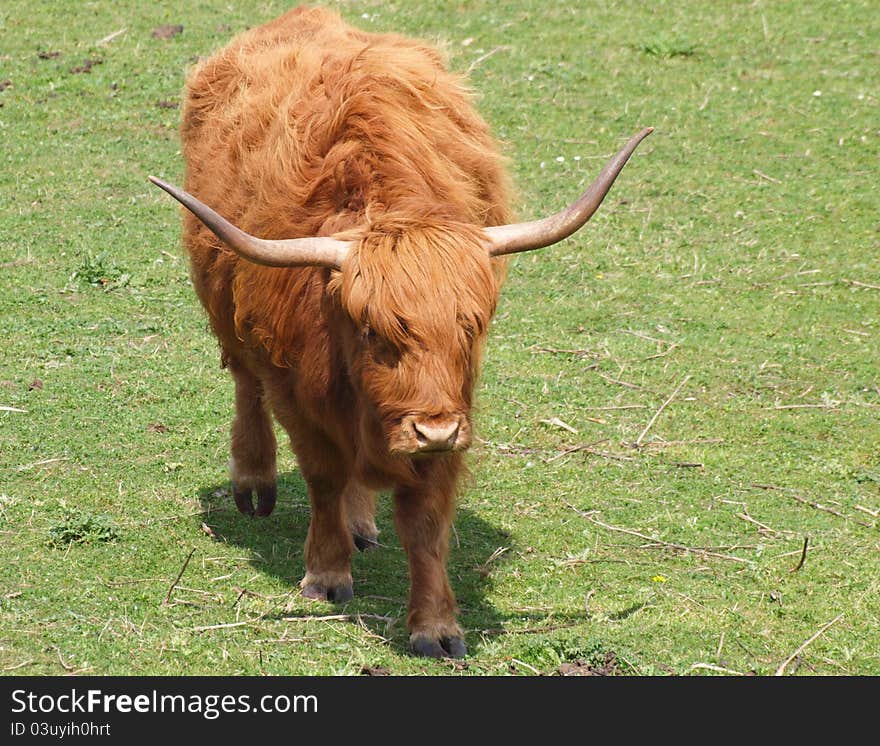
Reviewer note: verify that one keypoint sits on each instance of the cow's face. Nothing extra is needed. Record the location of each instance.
(417, 302)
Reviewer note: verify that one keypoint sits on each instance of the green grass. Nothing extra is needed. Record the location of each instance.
(739, 251)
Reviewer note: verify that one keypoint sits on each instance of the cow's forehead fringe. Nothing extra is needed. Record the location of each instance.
(408, 281)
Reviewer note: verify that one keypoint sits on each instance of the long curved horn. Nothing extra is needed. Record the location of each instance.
(516, 237)
(290, 252)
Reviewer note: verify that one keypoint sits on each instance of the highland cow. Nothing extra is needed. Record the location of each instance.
(357, 317)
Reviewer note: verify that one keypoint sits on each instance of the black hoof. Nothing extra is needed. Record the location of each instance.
(445, 647)
(338, 594)
(427, 648)
(243, 501)
(454, 646)
(365, 543)
(266, 497)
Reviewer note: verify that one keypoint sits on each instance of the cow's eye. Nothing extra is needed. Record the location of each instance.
(383, 352)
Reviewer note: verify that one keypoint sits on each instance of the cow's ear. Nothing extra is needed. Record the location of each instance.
(516, 237)
(316, 251)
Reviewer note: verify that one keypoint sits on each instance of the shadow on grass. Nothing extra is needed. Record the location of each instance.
(381, 581)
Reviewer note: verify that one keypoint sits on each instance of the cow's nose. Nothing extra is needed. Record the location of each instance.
(436, 436)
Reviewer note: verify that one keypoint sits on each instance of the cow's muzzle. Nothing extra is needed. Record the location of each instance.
(418, 435)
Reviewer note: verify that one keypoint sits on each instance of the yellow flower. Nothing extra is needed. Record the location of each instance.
(659, 578)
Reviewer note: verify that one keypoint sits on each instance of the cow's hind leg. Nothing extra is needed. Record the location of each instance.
(253, 446)
(360, 515)
(422, 518)
(329, 544)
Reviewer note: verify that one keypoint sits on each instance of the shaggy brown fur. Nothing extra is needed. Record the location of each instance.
(308, 127)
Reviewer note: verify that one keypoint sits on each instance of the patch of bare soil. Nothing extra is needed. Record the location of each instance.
(167, 31)
(86, 66)
(608, 667)
(375, 671)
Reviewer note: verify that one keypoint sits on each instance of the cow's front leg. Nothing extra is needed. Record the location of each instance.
(329, 544)
(422, 516)
(253, 446)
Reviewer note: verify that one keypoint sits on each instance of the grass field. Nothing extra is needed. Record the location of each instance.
(731, 275)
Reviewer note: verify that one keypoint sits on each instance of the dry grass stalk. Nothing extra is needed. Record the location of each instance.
(821, 631)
